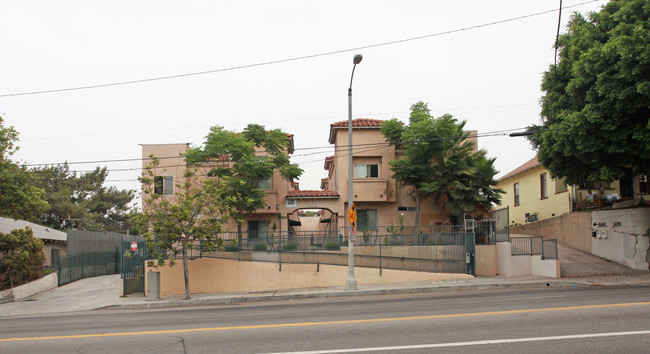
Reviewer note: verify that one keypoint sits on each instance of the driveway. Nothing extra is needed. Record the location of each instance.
(575, 263)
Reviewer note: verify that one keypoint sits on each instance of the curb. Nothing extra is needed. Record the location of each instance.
(153, 304)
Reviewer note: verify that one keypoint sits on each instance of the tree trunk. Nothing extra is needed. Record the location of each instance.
(239, 236)
(185, 273)
(417, 216)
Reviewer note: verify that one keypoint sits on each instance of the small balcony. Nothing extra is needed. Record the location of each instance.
(373, 190)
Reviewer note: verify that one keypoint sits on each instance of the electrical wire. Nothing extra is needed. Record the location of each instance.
(262, 153)
(279, 61)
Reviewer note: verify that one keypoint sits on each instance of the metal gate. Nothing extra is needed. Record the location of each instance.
(470, 253)
(133, 256)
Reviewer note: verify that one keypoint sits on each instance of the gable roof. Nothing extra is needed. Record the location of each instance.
(40, 231)
(532, 163)
(309, 194)
(359, 123)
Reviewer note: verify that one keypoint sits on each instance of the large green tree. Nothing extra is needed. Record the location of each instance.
(596, 104)
(21, 257)
(244, 160)
(19, 197)
(187, 219)
(438, 161)
(82, 200)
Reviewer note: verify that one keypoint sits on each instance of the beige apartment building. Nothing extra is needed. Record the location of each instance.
(378, 198)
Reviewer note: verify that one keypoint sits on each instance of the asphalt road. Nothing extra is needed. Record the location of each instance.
(597, 320)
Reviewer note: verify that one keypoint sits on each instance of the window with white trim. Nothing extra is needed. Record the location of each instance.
(366, 170)
(264, 184)
(163, 185)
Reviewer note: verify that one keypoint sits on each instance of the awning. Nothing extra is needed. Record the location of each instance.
(294, 223)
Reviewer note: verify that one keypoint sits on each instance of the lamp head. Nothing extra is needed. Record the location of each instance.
(357, 59)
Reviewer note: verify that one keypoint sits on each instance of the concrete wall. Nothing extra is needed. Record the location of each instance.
(623, 236)
(573, 230)
(509, 265)
(486, 260)
(221, 275)
(45, 283)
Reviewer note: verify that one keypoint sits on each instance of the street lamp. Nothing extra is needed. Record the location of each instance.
(351, 282)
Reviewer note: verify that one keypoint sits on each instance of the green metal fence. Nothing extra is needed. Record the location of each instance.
(534, 245)
(435, 249)
(87, 264)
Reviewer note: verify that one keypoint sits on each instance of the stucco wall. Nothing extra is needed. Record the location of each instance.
(509, 265)
(624, 236)
(530, 200)
(486, 260)
(573, 230)
(221, 275)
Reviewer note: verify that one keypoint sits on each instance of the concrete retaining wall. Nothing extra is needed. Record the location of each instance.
(573, 230)
(45, 283)
(209, 275)
(509, 265)
(622, 236)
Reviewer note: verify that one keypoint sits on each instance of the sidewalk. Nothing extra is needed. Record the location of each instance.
(102, 293)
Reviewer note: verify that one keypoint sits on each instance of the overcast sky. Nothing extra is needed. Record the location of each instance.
(457, 61)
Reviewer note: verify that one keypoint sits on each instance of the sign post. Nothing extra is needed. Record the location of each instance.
(351, 283)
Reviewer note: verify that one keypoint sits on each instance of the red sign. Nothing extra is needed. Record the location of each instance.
(134, 246)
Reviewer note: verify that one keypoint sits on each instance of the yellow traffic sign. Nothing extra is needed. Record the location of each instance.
(352, 216)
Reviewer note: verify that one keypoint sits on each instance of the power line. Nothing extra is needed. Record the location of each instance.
(279, 61)
(273, 121)
(260, 153)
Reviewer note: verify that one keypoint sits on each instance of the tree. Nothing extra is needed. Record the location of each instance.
(596, 104)
(82, 200)
(243, 161)
(185, 220)
(21, 257)
(439, 162)
(19, 197)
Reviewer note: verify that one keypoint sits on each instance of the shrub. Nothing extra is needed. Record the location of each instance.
(291, 245)
(332, 245)
(260, 247)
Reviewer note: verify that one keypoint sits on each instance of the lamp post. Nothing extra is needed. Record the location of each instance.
(351, 282)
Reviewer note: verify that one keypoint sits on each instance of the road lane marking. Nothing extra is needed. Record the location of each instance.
(463, 344)
(305, 324)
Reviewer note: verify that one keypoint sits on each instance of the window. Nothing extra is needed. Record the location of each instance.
(560, 186)
(542, 186)
(516, 194)
(366, 219)
(366, 170)
(163, 185)
(264, 184)
(54, 257)
(643, 184)
(405, 208)
(258, 229)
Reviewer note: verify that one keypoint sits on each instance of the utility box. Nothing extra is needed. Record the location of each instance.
(153, 286)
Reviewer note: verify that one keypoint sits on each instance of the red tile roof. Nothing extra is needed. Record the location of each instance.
(360, 123)
(324, 182)
(312, 194)
(328, 161)
(532, 163)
